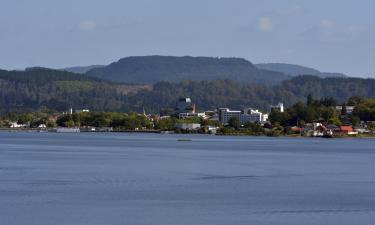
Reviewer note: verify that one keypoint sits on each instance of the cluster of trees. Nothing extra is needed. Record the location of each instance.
(234, 127)
(32, 119)
(311, 111)
(116, 120)
(324, 110)
(364, 108)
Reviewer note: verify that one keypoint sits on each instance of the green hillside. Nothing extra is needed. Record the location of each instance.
(59, 90)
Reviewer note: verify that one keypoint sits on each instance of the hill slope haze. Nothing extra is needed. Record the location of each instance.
(296, 70)
(81, 69)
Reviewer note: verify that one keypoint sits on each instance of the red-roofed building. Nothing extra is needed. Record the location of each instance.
(347, 130)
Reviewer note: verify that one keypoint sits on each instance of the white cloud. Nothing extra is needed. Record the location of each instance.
(330, 31)
(87, 25)
(353, 29)
(293, 11)
(265, 24)
(272, 19)
(327, 24)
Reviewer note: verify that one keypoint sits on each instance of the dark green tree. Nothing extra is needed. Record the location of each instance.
(235, 123)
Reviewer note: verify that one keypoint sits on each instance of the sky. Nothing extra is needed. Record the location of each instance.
(329, 35)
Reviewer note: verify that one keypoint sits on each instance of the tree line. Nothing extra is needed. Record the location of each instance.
(59, 90)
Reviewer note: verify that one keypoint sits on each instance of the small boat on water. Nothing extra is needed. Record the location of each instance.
(167, 132)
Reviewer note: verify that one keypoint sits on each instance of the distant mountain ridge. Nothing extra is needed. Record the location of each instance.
(153, 69)
(296, 70)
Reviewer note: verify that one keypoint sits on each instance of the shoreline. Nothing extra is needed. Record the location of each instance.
(36, 130)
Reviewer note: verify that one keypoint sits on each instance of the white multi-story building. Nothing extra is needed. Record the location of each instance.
(247, 115)
(225, 114)
(254, 115)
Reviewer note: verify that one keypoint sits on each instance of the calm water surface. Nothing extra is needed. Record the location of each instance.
(113, 179)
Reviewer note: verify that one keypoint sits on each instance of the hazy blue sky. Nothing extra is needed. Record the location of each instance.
(330, 35)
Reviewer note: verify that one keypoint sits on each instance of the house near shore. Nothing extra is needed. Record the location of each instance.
(42, 126)
(316, 130)
(17, 125)
(320, 130)
(211, 129)
(362, 130)
(347, 130)
(313, 130)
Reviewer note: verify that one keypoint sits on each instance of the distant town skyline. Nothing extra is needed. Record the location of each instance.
(331, 36)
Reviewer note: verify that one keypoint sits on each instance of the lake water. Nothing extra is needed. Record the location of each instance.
(116, 179)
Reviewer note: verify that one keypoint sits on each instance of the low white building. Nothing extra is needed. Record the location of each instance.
(188, 126)
(190, 115)
(42, 126)
(211, 129)
(82, 110)
(16, 125)
(279, 107)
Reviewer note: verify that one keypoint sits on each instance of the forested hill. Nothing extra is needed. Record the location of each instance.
(226, 93)
(42, 75)
(59, 90)
(339, 88)
(153, 69)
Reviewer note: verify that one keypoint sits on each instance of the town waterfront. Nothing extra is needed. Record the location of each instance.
(142, 179)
